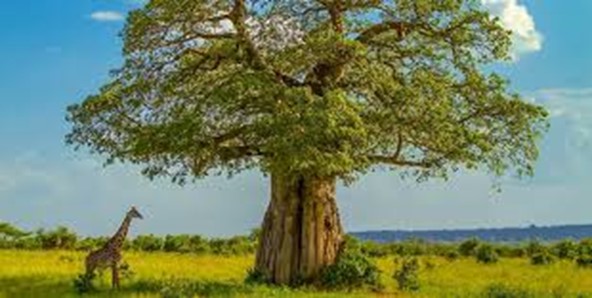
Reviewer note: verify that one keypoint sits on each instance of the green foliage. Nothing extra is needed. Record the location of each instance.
(351, 271)
(410, 247)
(584, 261)
(543, 257)
(90, 243)
(148, 243)
(452, 255)
(585, 247)
(566, 249)
(255, 277)
(407, 276)
(534, 247)
(485, 253)
(322, 98)
(374, 250)
(9, 231)
(60, 238)
(468, 247)
(510, 251)
(84, 283)
(179, 243)
(499, 290)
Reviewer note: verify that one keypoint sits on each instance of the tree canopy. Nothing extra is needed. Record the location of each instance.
(311, 87)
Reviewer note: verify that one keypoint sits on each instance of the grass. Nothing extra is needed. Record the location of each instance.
(50, 274)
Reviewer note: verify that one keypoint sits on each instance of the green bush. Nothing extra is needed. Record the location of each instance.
(84, 283)
(534, 247)
(147, 243)
(584, 261)
(412, 247)
(255, 277)
(566, 249)
(198, 244)
(542, 258)
(452, 255)
(510, 251)
(585, 247)
(352, 270)
(374, 250)
(407, 276)
(178, 243)
(485, 253)
(60, 238)
(468, 247)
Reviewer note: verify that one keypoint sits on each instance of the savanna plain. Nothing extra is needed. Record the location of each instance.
(158, 274)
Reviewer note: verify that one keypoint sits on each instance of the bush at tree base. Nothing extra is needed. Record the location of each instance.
(352, 270)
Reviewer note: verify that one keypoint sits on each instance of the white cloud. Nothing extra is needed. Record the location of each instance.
(40, 190)
(107, 16)
(515, 17)
(565, 154)
(572, 103)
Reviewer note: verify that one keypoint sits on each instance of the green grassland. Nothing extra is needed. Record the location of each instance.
(51, 274)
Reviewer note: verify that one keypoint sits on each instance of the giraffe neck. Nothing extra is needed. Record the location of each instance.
(117, 239)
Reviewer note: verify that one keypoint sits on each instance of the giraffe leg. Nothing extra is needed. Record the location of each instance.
(114, 276)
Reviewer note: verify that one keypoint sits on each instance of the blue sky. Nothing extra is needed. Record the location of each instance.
(54, 52)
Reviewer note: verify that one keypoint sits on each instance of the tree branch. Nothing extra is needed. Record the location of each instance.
(397, 162)
(400, 27)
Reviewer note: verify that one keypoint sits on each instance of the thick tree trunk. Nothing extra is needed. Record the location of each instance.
(301, 232)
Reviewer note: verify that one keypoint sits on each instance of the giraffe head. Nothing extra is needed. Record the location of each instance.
(134, 213)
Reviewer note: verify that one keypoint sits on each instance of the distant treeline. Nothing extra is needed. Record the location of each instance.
(519, 234)
(63, 238)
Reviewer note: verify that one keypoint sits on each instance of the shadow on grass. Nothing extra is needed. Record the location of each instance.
(189, 288)
(38, 286)
(63, 286)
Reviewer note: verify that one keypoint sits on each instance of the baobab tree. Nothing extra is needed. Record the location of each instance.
(311, 93)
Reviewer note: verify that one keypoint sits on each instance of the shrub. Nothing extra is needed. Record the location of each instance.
(60, 238)
(468, 247)
(407, 276)
(374, 250)
(584, 261)
(179, 243)
(534, 247)
(452, 255)
(486, 254)
(352, 270)
(566, 249)
(255, 276)
(125, 271)
(198, 244)
(542, 258)
(503, 291)
(147, 243)
(83, 283)
(412, 247)
(585, 247)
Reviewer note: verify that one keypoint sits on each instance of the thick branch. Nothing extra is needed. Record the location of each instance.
(391, 160)
(400, 27)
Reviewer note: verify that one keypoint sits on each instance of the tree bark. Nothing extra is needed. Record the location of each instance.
(301, 232)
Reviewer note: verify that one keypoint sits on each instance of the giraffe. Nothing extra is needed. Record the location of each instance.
(110, 254)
